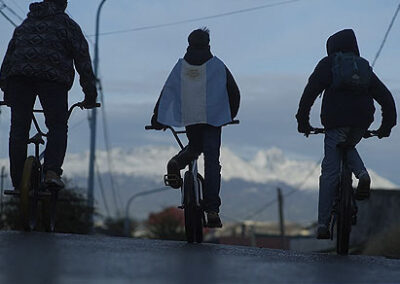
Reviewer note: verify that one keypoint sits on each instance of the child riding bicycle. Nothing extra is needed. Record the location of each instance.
(350, 88)
(201, 95)
(40, 62)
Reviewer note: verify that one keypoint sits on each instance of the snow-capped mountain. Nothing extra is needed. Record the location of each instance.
(267, 166)
(246, 186)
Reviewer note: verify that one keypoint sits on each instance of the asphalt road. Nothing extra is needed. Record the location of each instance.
(62, 258)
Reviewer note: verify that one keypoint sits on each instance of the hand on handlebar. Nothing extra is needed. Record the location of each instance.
(85, 104)
(383, 132)
(156, 125)
(304, 127)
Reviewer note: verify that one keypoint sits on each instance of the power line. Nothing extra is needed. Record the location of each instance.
(386, 36)
(272, 202)
(2, 6)
(198, 19)
(12, 11)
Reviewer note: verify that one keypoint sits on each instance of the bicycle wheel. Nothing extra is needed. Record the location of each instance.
(189, 207)
(29, 194)
(344, 220)
(199, 212)
(53, 211)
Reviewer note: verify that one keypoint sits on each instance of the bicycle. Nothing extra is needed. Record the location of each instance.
(192, 193)
(345, 208)
(32, 188)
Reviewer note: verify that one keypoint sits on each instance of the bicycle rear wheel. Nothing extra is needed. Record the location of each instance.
(29, 194)
(199, 212)
(193, 212)
(344, 219)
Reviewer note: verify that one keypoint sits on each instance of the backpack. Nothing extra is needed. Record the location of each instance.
(350, 72)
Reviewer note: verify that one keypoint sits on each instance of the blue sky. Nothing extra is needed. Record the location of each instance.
(271, 53)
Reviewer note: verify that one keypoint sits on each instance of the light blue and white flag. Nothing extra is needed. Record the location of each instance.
(195, 94)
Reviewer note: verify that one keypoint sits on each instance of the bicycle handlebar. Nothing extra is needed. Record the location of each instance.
(151, 127)
(368, 133)
(175, 133)
(80, 105)
(2, 103)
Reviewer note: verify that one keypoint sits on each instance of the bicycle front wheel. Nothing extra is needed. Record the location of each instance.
(344, 218)
(29, 194)
(189, 206)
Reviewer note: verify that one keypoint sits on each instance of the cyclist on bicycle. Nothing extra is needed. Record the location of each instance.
(40, 62)
(350, 88)
(202, 95)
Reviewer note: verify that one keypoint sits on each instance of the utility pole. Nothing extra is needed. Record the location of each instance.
(281, 218)
(2, 177)
(93, 119)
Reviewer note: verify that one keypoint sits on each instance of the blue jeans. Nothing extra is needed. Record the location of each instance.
(22, 92)
(205, 139)
(330, 171)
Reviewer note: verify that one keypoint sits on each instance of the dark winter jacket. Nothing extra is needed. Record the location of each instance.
(46, 46)
(199, 56)
(345, 108)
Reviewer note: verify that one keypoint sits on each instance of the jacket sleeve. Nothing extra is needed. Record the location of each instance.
(233, 93)
(83, 64)
(5, 66)
(319, 80)
(385, 99)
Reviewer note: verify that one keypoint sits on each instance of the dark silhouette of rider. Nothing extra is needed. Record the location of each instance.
(40, 61)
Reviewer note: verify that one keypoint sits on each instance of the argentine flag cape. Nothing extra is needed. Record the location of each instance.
(195, 94)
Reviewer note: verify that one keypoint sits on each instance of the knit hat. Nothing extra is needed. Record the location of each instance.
(199, 38)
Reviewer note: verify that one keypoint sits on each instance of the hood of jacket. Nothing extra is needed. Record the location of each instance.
(197, 56)
(43, 9)
(343, 41)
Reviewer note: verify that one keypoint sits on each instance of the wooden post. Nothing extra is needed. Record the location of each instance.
(281, 218)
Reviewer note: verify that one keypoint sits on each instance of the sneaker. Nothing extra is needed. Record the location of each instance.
(53, 179)
(213, 220)
(363, 187)
(173, 177)
(323, 232)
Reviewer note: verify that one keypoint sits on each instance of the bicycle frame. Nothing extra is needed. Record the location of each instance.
(193, 168)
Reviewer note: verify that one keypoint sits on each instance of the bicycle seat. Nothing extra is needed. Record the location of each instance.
(37, 139)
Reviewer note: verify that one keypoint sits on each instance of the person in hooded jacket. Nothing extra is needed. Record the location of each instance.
(40, 62)
(346, 114)
(201, 95)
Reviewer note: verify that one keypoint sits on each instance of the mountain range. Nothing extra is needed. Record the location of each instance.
(248, 185)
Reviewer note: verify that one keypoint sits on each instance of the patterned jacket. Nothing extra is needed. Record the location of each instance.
(46, 46)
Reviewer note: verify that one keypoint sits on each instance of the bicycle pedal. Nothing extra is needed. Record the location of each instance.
(12, 192)
(172, 180)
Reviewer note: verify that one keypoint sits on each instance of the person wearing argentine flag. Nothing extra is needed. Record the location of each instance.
(201, 95)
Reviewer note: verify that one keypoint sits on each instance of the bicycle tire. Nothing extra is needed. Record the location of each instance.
(53, 210)
(199, 213)
(28, 197)
(344, 215)
(189, 207)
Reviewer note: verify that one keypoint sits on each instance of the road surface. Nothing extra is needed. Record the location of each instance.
(63, 258)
